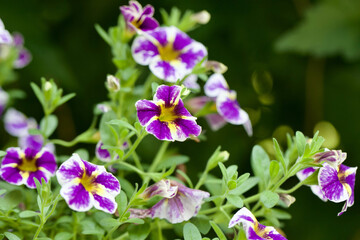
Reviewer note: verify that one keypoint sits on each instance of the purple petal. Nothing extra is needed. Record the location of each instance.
(168, 71)
(148, 24)
(330, 184)
(146, 110)
(317, 191)
(30, 183)
(185, 128)
(229, 109)
(148, 10)
(161, 35)
(305, 173)
(102, 154)
(143, 51)
(70, 169)
(243, 216)
(13, 156)
(169, 94)
(5, 36)
(163, 188)
(16, 123)
(180, 110)
(18, 39)
(31, 141)
(215, 85)
(110, 182)
(160, 130)
(193, 54)
(215, 121)
(11, 175)
(23, 59)
(77, 198)
(30, 153)
(105, 204)
(191, 82)
(181, 40)
(47, 161)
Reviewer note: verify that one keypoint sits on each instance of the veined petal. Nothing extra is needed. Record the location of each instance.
(163, 188)
(106, 204)
(192, 54)
(184, 128)
(229, 108)
(243, 216)
(170, 95)
(160, 130)
(349, 181)
(77, 197)
(13, 156)
(46, 161)
(70, 169)
(144, 51)
(317, 191)
(11, 175)
(181, 111)
(329, 182)
(215, 85)
(16, 123)
(102, 154)
(110, 183)
(29, 176)
(146, 111)
(170, 71)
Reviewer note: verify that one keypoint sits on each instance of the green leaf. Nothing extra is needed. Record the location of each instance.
(279, 155)
(313, 178)
(139, 232)
(109, 223)
(63, 236)
(300, 143)
(218, 231)
(216, 157)
(11, 236)
(260, 164)
(235, 200)
(121, 200)
(245, 186)
(188, 180)
(274, 169)
(28, 213)
(106, 134)
(328, 28)
(172, 161)
(11, 200)
(135, 220)
(223, 171)
(65, 98)
(48, 125)
(191, 232)
(83, 153)
(202, 223)
(269, 198)
(35, 131)
(2, 153)
(121, 124)
(38, 93)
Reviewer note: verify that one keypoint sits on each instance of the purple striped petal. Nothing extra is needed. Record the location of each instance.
(185, 128)
(71, 169)
(146, 110)
(76, 196)
(330, 184)
(106, 204)
(13, 156)
(148, 24)
(160, 130)
(24, 58)
(110, 183)
(215, 85)
(193, 54)
(102, 154)
(169, 71)
(170, 95)
(138, 18)
(11, 175)
(228, 107)
(163, 188)
(191, 82)
(182, 40)
(243, 216)
(31, 141)
(305, 173)
(333, 157)
(30, 183)
(144, 51)
(16, 123)
(47, 161)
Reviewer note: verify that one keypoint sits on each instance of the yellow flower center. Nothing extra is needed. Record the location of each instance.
(28, 165)
(167, 114)
(88, 183)
(168, 53)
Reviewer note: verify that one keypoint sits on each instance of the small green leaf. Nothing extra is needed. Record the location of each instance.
(135, 220)
(191, 232)
(11, 236)
(244, 187)
(48, 125)
(279, 155)
(65, 98)
(121, 124)
(138, 232)
(171, 161)
(28, 213)
(235, 200)
(121, 200)
(218, 231)
(202, 223)
(35, 131)
(38, 93)
(2, 153)
(274, 169)
(300, 143)
(269, 199)
(260, 164)
(109, 223)
(63, 236)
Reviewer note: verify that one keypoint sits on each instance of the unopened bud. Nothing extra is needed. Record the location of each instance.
(216, 66)
(224, 156)
(47, 86)
(287, 199)
(112, 83)
(202, 17)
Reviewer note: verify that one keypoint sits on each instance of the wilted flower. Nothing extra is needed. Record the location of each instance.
(170, 53)
(179, 203)
(166, 117)
(84, 185)
(305, 173)
(338, 184)
(138, 18)
(5, 36)
(17, 124)
(4, 98)
(21, 167)
(253, 229)
(24, 57)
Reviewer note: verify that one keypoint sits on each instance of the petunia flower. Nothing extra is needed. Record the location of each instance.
(338, 184)
(138, 18)
(17, 124)
(166, 117)
(169, 52)
(104, 154)
(179, 203)
(305, 173)
(24, 57)
(253, 229)
(4, 98)
(85, 185)
(5, 36)
(191, 82)
(332, 157)
(21, 167)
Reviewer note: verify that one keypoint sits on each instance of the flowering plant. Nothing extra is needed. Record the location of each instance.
(111, 193)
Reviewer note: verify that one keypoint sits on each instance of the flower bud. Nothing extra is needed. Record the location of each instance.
(112, 83)
(202, 17)
(216, 66)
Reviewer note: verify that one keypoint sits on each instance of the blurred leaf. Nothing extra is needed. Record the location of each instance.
(191, 232)
(63, 236)
(218, 231)
(139, 232)
(329, 28)
(235, 200)
(260, 164)
(11, 236)
(269, 199)
(202, 223)
(28, 213)
(48, 124)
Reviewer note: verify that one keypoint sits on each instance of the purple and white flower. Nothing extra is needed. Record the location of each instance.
(169, 52)
(338, 184)
(332, 157)
(5, 36)
(191, 82)
(21, 167)
(138, 18)
(85, 185)
(305, 173)
(17, 124)
(179, 203)
(4, 98)
(24, 57)
(253, 229)
(166, 117)
(104, 154)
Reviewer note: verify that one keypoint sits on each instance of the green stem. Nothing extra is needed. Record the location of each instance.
(122, 236)
(160, 236)
(135, 169)
(157, 159)
(75, 226)
(292, 189)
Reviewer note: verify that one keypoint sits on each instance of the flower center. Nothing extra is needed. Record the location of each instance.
(167, 114)
(168, 53)
(88, 182)
(28, 165)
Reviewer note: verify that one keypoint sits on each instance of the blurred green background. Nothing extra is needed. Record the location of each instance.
(292, 63)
